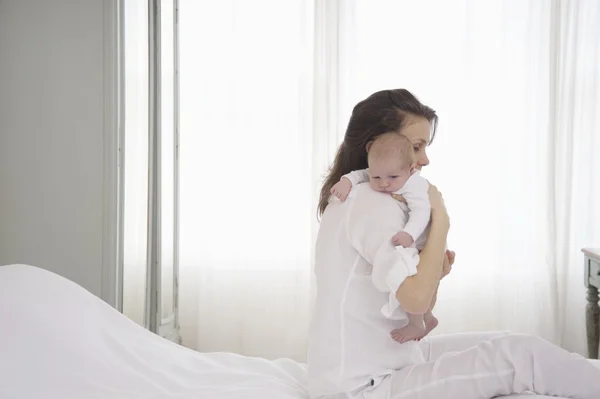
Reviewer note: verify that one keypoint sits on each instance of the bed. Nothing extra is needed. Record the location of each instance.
(59, 341)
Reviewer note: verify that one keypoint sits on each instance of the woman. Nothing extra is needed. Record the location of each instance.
(359, 271)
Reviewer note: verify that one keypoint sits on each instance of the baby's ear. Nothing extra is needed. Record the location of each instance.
(368, 146)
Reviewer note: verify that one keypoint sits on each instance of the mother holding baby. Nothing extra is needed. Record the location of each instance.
(368, 287)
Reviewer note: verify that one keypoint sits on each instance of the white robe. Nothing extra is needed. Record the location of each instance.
(351, 353)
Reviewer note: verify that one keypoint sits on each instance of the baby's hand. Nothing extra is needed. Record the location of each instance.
(342, 188)
(403, 238)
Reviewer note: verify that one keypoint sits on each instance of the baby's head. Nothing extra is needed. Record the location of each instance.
(391, 162)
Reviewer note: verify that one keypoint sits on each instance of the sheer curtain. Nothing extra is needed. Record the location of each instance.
(246, 188)
(575, 135)
(516, 85)
(267, 88)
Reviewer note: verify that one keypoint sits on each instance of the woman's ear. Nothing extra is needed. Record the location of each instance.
(369, 144)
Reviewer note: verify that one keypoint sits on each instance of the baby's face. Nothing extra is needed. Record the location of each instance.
(388, 175)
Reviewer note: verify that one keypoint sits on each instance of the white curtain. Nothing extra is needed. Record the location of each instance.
(517, 88)
(267, 88)
(246, 188)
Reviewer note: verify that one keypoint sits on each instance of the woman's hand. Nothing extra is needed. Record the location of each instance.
(448, 262)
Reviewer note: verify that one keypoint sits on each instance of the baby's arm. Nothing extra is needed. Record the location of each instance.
(415, 192)
(342, 188)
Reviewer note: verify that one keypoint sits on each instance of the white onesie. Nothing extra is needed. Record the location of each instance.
(416, 193)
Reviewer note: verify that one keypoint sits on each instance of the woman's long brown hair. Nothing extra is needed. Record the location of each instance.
(381, 112)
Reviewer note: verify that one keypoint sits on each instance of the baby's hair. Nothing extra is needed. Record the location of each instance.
(394, 145)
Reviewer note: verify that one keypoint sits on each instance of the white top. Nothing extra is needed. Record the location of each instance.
(358, 271)
(416, 193)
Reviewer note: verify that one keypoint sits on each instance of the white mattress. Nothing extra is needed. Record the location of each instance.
(59, 341)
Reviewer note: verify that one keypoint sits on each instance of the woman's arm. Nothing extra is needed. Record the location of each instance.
(416, 292)
(434, 300)
(446, 268)
(371, 222)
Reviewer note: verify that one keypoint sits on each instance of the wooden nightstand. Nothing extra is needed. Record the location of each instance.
(592, 283)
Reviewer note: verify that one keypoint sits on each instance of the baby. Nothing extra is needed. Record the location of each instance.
(392, 170)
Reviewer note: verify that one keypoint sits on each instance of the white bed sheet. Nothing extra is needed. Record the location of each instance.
(59, 341)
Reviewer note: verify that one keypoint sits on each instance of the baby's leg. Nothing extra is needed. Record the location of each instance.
(415, 329)
(431, 322)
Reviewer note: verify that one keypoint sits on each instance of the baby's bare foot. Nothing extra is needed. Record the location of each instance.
(431, 322)
(409, 333)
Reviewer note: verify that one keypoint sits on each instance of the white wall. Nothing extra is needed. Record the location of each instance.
(52, 116)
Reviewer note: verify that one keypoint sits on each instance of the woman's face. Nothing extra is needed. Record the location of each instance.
(418, 131)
